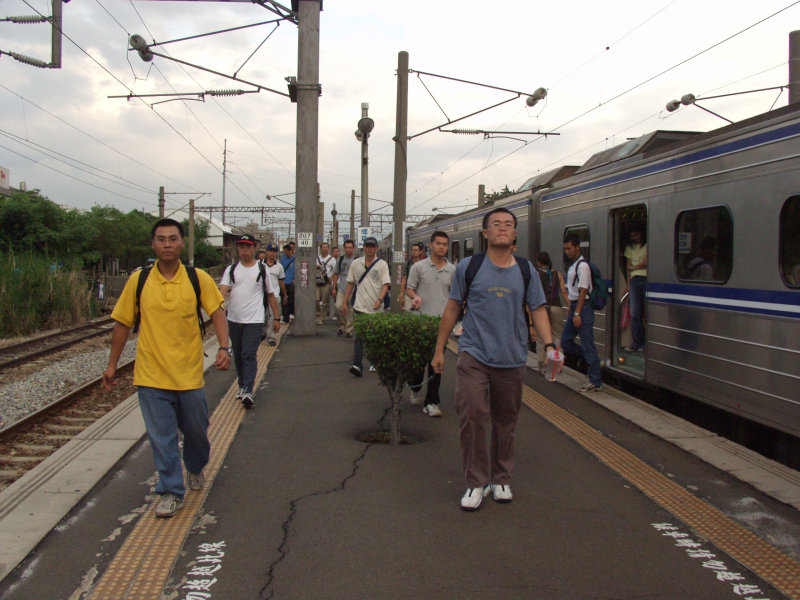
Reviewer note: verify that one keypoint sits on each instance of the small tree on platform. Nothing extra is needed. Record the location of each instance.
(400, 346)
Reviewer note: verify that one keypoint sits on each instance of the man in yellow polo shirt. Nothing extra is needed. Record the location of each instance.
(169, 361)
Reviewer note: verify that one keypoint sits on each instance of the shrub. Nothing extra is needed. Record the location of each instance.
(400, 346)
(38, 293)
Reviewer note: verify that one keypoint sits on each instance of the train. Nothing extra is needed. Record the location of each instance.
(726, 335)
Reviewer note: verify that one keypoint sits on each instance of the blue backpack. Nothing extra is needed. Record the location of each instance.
(599, 294)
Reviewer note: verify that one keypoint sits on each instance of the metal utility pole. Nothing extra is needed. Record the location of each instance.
(334, 228)
(161, 202)
(400, 172)
(191, 232)
(224, 171)
(308, 90)
(365, 127)
(353, 215)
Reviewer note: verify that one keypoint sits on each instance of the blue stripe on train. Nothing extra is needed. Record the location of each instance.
(766, 302)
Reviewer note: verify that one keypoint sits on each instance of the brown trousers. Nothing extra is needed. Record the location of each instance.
(484, 392)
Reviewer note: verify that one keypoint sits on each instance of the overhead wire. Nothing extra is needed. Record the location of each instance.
(616, 97)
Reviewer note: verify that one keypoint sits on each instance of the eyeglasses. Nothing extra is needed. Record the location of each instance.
(502, 224)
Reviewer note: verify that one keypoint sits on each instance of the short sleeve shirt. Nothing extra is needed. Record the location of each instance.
(276, 274)
(636, 253)
(343, 264)
(288, 264)
(246, 304)
(494, 324)
(369, 290)
(432, 284)
(584, 279)
(169, 352)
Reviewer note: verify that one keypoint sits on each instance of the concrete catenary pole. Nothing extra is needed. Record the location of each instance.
(224, 176)
(353, 215)
(364, 167)
(161, 202)
(794, 67)
(191, 232)
(400, 174)
(306, 164)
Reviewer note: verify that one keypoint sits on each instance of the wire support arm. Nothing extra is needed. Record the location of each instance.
(439, 127)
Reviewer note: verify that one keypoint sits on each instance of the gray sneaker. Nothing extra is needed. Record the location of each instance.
(195, 481)
(590, 387)
(168, 505)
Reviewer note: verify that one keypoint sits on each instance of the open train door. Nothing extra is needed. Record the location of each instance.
(629, 324)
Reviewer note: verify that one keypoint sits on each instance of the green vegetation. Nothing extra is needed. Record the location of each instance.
(399, 345)
(48, 253)
(36, 293)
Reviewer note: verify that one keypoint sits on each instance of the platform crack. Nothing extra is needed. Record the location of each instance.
(283, 549)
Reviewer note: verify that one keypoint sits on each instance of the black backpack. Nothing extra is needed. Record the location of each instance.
(475, 264)
(262, 277)
(192, 273)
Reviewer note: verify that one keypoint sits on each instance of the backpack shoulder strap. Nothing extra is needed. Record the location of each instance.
(262, 275)
(577, 264)
(139, 287)
(525, 267)
(195, 281)
(472, 269)
(233, 268)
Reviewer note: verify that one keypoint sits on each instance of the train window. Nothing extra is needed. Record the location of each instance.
(456, 253)
(468, 247)
(790, 242)
(704, 245)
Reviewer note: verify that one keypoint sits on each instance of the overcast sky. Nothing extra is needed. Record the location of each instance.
(609, 68)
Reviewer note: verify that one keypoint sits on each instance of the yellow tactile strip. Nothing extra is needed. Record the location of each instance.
(140, 569)
(763, 559)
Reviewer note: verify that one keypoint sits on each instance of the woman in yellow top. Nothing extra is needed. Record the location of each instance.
(636, 253)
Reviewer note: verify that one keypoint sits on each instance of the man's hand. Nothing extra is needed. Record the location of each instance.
(276, 325)
(438, 362)
(110, 377)
(576, 320)
(416, 303)
(378, 304)
(223, 361)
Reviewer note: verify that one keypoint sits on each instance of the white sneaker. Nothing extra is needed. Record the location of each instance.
(168, 505)
(472, 498)
(432, 410)
(415, 400)
(372, 368)
(501, 493)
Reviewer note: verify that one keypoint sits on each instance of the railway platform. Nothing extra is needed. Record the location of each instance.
(612, 499)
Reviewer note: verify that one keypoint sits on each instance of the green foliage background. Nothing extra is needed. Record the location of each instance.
(400, 345)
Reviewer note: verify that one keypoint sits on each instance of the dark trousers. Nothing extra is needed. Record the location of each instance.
(636, 300)
(358, 347)
(485, 393)
(245, 339)
(288, 308)
(434, 381)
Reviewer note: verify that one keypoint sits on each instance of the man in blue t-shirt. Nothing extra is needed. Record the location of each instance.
(287, 262)
(492, 353)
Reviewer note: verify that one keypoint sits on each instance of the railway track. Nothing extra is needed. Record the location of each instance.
(47, 344)
(29, 441)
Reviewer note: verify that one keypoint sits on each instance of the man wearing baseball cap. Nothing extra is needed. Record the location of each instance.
(277, 275)
(370, 275)
(250, 291)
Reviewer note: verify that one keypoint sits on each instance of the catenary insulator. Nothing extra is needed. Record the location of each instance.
(27, 19)
(466, 131)
(225, 92)
(28, 60)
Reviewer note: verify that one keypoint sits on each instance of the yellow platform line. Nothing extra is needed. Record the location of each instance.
(142, 565)
(741, 544)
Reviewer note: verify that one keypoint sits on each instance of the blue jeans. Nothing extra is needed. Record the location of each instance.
(587, 349)
(165, 412)
(245, 338)
(636, 303)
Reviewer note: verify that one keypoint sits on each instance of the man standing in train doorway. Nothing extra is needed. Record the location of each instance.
(492, 353)
(169, 360)
(580, 320)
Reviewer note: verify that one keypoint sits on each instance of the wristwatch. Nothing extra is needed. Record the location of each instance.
(227, 349)
(550, 344)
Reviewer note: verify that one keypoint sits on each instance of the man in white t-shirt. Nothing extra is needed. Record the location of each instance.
(324, 274)
(248, 288)
(370, 275)
(277, 276)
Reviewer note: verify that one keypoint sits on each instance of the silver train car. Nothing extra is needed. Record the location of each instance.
(726, 334)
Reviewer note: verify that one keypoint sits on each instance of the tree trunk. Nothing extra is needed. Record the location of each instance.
(396, 395)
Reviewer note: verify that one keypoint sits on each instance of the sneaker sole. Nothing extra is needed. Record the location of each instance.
(168, 515)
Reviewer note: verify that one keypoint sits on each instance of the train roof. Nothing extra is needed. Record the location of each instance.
(547, 178)
(636, 147)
